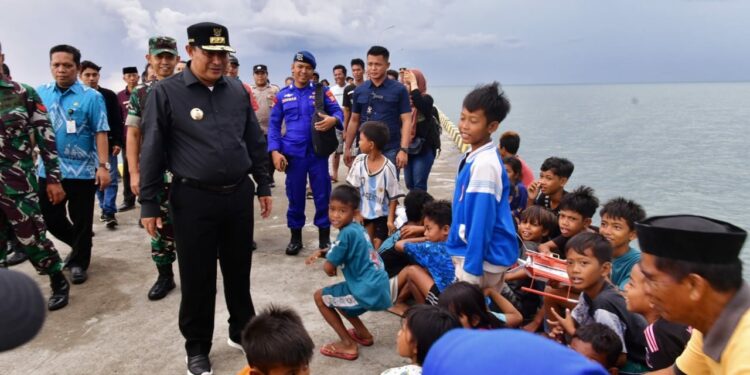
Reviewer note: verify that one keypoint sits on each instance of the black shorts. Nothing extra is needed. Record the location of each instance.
(433, 295)
(381, 227)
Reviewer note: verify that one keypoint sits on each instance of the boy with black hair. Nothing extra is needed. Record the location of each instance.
(482, 238)
(376, 179)
(589, 259)
(276, 343)
(395, 261)
(598, 343)
(434, 270)
(574, 216)
(509, 143)
(365, 285)
(619, 216)
(549, 189)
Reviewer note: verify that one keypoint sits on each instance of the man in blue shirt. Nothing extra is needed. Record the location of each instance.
(381, 99)
(79, 118)
(293, 153)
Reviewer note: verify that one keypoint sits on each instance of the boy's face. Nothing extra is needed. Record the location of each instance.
(340, 213)
(616, 231)
(571, 223)
(531, 232)
(584, 270)
(635, 293)
(550, 182)
(365, 144)
(434, 232)
(474, 128)
(587, 350)
(283, 370)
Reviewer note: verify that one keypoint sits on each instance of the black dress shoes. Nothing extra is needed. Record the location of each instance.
(60, 292)
(163, 284)
(293, 248)
(18, 257)
(199, 365)
(78, 275)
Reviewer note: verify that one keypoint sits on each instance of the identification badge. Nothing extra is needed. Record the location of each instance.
(70, 126)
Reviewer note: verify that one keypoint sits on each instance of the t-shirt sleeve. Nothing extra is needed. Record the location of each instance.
(134, 117)
(403, 102)
(392, 187)
(354, 175)
(417, 251)
(346, 100)
(338, 252)
(611, 320)
(356, 107)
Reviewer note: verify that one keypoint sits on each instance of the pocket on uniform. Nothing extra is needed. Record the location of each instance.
(291, 111)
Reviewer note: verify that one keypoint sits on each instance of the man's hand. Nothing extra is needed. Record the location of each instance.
(279, 161)
(401, 159)
(116, 150)
(150, 224)
(265, 206)
(55, 193)
(348, 156)
(102, 178)
(325, 123)
(135, 181)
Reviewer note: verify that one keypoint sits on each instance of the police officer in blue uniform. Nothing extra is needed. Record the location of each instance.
(293, 152)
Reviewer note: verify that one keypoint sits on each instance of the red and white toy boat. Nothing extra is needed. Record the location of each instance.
(546, 268)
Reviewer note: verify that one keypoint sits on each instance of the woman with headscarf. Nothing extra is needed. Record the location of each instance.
(425, 134)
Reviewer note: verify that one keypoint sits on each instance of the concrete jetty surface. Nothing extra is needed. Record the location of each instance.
(110, 326)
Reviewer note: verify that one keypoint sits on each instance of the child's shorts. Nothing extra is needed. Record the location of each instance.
(339, 296)
(381, 227)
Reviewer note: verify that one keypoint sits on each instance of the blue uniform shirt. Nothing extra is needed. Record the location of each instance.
(362, 267)
(296, 107)
(385, 103)
(77, 151)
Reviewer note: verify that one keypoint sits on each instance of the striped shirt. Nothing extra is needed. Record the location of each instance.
(377, 189)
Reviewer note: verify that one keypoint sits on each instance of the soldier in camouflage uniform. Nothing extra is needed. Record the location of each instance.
(162, 58)
(22, 114)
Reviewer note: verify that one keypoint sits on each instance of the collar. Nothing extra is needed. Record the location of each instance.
(717, 338)
(76, 88)
(371, 85)
(190, 79)
(470, 155)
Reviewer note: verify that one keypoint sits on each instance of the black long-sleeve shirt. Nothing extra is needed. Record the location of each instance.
(424, 104)
(208, 135)
(114, 118)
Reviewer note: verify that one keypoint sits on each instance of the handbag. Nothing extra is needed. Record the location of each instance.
(324, 142)
(415, 147)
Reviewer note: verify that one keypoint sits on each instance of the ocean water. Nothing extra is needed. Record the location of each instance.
(674, 148)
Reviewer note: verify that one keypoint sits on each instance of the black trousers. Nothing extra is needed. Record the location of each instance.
(208, 224)
(127, 195)
(76, 231)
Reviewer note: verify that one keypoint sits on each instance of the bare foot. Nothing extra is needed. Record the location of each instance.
(399, 308)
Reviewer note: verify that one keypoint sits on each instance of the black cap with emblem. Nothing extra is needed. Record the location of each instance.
(209, 36)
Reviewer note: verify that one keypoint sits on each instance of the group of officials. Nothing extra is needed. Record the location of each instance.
(194, 139)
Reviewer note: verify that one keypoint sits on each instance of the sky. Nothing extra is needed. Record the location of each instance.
(453, 42)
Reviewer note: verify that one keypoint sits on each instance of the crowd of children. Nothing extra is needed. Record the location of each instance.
(450, 265)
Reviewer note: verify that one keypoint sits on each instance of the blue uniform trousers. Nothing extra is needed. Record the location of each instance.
(297, 173)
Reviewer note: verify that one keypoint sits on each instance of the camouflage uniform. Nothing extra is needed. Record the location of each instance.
(162, 246)
(22, 114)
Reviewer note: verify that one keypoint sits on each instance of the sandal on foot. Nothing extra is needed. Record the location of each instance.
(364, 342)
(329, 350)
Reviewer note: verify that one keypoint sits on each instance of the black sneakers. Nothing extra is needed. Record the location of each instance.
(198, 365)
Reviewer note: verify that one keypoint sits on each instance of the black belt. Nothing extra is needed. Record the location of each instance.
(213, 188)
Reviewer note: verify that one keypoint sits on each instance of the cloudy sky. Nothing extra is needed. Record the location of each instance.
(453, 42)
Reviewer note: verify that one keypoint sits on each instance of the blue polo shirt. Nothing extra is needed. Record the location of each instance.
(385, 103)
(77, 150)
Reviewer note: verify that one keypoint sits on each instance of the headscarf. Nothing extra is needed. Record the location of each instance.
(422, 86)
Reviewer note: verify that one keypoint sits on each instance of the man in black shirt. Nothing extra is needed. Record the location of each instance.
(201, 127)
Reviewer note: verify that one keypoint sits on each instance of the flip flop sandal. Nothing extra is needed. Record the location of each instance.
(353, 334)
(329, 350)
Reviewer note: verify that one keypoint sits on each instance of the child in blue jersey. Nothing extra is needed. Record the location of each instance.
(434, 270)
(482, 239)
(366, 283)
(377, 180)
(619, 216)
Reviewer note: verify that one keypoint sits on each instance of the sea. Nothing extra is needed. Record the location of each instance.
(677, 148)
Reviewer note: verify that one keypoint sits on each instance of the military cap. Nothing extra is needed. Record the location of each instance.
(159, 44)
(233, 60)
(209, 36)
(260, 68)
(22, 309)
(305, 57)
(691, 238)
(129, 69)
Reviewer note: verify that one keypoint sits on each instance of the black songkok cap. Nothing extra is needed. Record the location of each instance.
(129, 69)
(691, 238)
(209, 36)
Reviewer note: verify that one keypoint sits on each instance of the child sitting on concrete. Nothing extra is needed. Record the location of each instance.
(598, 343)
(472, 307)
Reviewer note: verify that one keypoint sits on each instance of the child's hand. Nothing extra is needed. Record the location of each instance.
(566, 324)
(391, 227)
(411, 231)
(315, 256)
(533, 189)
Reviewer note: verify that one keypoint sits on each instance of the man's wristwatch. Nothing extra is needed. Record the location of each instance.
(105, 166)
(404, 149)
